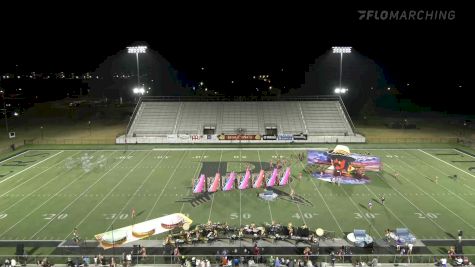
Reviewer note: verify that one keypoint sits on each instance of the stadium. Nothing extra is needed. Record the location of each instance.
(119, 171)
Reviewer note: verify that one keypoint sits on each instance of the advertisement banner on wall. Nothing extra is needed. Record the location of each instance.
(195, 137)
(184, 136)
(239, 137)
(300, 137)
(171, 137)
(269, 137)
(285, 137)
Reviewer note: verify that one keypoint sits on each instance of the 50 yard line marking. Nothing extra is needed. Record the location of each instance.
(212, 200)
(268, 204)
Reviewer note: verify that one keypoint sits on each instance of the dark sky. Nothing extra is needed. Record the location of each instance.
(233, 40)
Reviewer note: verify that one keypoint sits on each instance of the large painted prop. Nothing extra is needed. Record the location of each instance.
(247, 181)
(341, 166)
(131, 233)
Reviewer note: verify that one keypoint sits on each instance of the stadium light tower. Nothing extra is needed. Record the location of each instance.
(341, 50)
(137, 50)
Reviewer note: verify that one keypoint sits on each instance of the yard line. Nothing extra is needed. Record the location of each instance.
(429, 195)
(268, 204)
(17, 155)
(392, 213)
(324, 202)
(163, 190)
(78, 197)
(136, 191)
(212, 200)
(194, 175)
(300, 211)
(35, 176)
(446, 163)
(240, 203)
(46, 201)
(402, 195)
(36, 190)
(15, 174)
(356, 206)
(456, 195)
(461, 151)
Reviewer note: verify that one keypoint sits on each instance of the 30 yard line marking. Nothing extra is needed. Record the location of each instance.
(390, 211)
(212, 200)
(164, 187)
(138, 189)
(46, 201)
(15, 174)
(82, 193)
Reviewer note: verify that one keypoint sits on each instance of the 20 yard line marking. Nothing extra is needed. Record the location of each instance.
(46, 201)
(429, 195)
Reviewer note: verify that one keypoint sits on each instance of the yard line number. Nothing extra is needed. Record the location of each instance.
(51, 216)
(306, 215)
(3, 215)
(368, 215)
(429, 215)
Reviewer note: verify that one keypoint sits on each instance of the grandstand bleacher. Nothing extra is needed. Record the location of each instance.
(162, 120)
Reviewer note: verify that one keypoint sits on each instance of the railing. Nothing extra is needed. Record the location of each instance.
(238, 98)
(129, 124)
(61, 141)
(347, 115)
(412, 140)
(268, 260)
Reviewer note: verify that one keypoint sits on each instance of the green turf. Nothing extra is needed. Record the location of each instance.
(41, 199)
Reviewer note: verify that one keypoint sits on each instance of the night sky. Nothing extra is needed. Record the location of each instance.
(235, 41)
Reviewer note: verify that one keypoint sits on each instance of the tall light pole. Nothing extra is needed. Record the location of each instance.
(341, 50)
(5, 112)
(137, 50)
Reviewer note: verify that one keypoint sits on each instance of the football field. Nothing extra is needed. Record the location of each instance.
(45, 194)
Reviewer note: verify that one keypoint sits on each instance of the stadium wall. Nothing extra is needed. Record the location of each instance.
(216, 139)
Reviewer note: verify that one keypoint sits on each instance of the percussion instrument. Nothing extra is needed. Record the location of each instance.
(320, 232)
